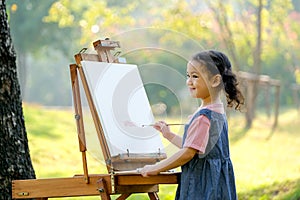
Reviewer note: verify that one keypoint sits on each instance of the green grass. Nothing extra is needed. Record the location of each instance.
(266, 163)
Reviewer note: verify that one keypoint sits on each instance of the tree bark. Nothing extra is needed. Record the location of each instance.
(15, 162)
(250, 114)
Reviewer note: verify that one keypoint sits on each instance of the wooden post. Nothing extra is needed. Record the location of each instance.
(250, 103)
(103, 189)
(295, 89)
(79, 118)
(251, 81)
(277, 101)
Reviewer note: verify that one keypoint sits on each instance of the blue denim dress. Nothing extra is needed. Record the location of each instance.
(209, 176)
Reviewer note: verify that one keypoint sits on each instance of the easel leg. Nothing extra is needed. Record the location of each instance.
(102, 188)
(123, 196)
(153, 196)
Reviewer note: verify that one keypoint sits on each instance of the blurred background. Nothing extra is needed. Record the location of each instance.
(261, 38)
(47, 36)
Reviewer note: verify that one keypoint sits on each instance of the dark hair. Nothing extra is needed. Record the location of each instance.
(218, 63)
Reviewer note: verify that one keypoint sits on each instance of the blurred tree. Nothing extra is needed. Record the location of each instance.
(41, 39)
(14, 152)
(261, 19)
(222, 14)
(228, 25)
(243, 29)
(113, 19)
(257, 51)
(92, 18)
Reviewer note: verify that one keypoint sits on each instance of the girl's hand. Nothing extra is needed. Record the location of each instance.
(162, 127)
(148, 170)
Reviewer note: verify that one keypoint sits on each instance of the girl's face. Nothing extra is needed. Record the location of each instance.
(197, 81)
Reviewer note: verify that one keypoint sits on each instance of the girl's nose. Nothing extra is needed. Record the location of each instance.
(188, 81)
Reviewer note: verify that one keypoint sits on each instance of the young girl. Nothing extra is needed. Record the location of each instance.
(207, 171)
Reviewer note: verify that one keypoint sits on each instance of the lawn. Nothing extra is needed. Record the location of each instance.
(266, 163)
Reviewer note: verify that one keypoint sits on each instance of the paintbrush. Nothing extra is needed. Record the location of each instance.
(144, 125)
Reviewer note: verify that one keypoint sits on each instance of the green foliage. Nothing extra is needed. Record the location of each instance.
(91, 18)
(30, 33)
(67, 26)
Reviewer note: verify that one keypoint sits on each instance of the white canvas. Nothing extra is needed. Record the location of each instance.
(123, 107)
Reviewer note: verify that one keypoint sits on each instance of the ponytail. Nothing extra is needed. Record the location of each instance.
(218, 63)
(234, 96)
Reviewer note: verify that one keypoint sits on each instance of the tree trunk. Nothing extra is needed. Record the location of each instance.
(15, 162)
(250, 114)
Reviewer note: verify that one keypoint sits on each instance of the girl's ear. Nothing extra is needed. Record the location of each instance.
(216, 80)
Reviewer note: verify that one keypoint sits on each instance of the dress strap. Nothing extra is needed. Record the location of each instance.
(204, 111)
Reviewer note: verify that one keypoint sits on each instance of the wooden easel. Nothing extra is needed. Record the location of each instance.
(124, 183)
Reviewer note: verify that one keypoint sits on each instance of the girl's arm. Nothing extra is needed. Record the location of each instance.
(178, 159)
(175, 139)
(166, 132)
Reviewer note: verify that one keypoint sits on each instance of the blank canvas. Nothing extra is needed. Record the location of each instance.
(123, 107)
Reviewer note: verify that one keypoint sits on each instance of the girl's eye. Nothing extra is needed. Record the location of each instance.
(193, 76)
